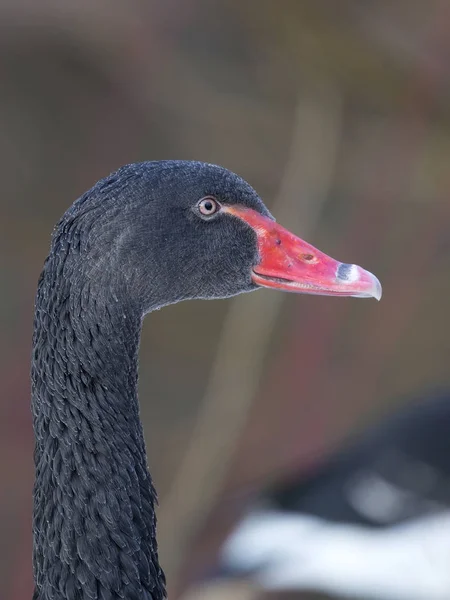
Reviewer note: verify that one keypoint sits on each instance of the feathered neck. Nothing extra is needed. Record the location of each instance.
(94, 527)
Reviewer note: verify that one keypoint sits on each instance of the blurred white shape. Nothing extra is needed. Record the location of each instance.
(408, 561)
(378, 499)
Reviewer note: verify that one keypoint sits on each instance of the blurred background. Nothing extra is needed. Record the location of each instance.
(338, 114)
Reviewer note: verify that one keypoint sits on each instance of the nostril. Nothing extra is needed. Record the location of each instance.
(307, 257)
(346, 272)
(278, 242)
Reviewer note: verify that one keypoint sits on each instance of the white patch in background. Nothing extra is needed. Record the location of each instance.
(410, 561)
(377, 499)
(383, 501)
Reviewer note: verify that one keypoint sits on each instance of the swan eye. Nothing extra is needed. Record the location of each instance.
(208, 206)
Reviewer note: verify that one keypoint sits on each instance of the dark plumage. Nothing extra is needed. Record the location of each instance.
(133, 243)
(112, 260)
(409, 451)
(370, 522)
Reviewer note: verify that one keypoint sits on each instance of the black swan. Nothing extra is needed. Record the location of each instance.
(372, 522)
(149, 235)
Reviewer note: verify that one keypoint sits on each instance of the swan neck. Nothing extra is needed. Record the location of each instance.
(94, 519)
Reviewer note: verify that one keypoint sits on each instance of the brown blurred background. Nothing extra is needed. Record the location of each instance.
(338, 113)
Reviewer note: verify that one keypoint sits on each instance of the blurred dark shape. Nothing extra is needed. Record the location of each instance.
(372, 522)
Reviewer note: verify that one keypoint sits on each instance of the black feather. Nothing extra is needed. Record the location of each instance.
(131, 244)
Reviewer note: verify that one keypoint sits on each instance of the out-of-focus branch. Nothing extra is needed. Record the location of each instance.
(247, 331)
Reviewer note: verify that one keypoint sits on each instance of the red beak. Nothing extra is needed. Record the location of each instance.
(288, 263)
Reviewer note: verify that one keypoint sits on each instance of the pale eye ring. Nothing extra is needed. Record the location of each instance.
(208, 206)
